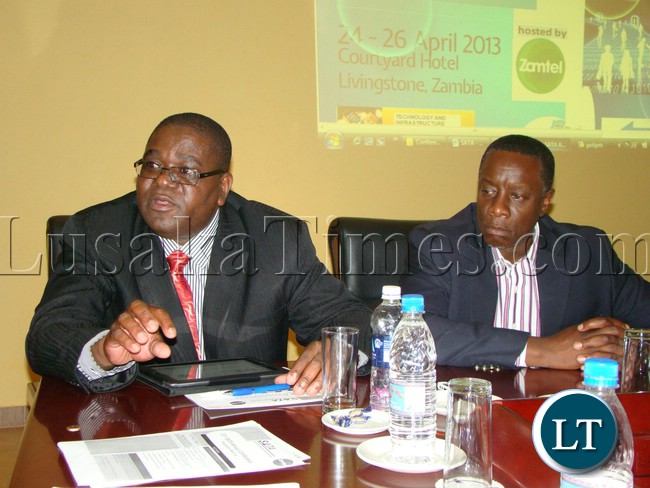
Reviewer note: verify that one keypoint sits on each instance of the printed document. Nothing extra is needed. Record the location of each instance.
(245, 447)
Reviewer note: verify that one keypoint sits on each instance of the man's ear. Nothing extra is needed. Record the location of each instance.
(225, 186)
(546, 202)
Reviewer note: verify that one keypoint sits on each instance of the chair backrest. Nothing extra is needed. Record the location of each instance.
(54, 236)
(369, 253)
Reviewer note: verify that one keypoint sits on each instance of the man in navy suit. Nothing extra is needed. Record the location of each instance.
(253, 273)
(506, 285)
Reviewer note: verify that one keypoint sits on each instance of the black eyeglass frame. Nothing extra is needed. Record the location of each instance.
(176, 179)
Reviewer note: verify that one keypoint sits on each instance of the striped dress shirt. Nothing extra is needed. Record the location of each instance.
(518, 296)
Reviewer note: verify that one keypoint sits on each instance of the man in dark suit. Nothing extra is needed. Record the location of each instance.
(252, 273)
(504, 284)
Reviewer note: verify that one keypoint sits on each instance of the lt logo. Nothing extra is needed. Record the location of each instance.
(588, 433)
(574, 431)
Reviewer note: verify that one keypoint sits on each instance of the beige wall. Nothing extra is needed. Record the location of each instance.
(84, 82)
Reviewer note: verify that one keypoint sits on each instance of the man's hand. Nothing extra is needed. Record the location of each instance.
(603, 337)
(568, 349)
(135, 336)
(306, 376)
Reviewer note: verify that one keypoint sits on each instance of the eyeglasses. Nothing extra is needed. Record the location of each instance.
(184, 176)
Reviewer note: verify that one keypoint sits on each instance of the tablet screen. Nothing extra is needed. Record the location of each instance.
(214, 372)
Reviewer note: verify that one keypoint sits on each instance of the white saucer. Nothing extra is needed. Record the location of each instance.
(377, 422)
(378, 452)
(441, 401)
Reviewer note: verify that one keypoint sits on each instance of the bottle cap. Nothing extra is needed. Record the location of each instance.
(391, 292)
(413, 303)
(601, 372)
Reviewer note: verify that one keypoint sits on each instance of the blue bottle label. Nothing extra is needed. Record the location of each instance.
(381, 351)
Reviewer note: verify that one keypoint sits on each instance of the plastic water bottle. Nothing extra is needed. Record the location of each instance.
(383, 323)
(412, 386)
(601, 378)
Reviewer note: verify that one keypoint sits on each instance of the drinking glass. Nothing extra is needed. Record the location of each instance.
(635, 373)
(469, 428)
(340, 348)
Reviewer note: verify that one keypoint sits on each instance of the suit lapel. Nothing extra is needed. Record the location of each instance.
(484, 288)
(553, 285)
(225, 283)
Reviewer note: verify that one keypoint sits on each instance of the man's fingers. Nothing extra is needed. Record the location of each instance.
(137, 334)
(131, 322)
(602, 322)
(149, 317)
(602, 347)
(311, 379)
(159, 348)
(126, 333)
(166, 325)
(306, 374)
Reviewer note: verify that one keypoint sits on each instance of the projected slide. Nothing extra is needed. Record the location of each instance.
(422, 73)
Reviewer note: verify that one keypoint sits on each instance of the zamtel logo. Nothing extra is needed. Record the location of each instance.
(540, 65)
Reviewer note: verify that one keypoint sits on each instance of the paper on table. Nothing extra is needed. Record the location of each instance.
(219, 403)
(245, 447)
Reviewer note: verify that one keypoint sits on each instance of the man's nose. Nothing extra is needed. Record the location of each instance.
(166, 177)
(499, 206)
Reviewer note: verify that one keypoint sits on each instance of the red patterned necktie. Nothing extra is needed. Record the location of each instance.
(177, 261)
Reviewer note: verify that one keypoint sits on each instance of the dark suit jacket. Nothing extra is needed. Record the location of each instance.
(264, 277)
(579, 277)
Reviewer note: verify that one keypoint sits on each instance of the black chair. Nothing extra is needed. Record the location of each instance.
(54, 235)
(369, 253)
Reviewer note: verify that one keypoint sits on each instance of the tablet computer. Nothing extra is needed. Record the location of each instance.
(198, 376)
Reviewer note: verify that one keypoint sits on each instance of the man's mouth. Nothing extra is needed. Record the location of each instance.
(496, 231)
(161, 203)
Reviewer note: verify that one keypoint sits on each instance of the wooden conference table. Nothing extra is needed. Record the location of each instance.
(138, 409)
